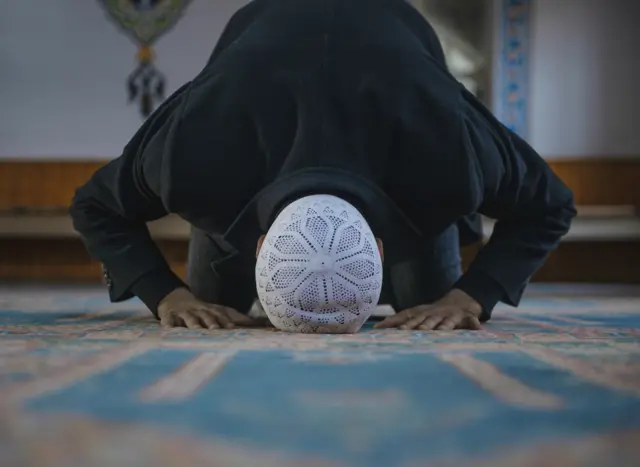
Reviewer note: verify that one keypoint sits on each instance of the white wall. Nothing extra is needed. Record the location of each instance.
(63, 70)
(585, 78)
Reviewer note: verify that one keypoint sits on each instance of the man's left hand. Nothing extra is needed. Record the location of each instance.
(456, 310)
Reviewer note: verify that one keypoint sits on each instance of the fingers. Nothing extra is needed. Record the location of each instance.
(386, 323)
(191, 320)
(413, 318)
(169, 321)
(228, 318)
(206, 316)
(208, 320)
(431, 317)
(431, 322)
(211, 317)
(238, 318)
(448, 324)
(472, 323)
(395, 320)
(219, 313)
(413, 323)
(456, 321)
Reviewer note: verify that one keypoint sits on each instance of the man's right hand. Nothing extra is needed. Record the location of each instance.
(182, 309)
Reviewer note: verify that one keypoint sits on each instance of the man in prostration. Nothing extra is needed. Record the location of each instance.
(327, 162)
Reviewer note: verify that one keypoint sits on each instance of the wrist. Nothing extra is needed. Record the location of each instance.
(179, 293)
(463, 300)
(155, 286)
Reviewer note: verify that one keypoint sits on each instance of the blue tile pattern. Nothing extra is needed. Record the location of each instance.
(513, 65)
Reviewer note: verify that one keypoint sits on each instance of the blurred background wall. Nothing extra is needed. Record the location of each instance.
(585, 70)
(64, 112)
(63, 68)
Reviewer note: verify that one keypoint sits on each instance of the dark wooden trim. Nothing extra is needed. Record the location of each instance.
(48, 186)
(42, 184)
(66, 261)
(601, 181)
(30, 184)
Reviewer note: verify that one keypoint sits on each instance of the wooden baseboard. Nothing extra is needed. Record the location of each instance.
(49, 186)
(601, 181)
(27, 184)
(66, 261)
(599, 223)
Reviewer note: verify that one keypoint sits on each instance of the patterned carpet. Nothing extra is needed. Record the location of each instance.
(554, 383)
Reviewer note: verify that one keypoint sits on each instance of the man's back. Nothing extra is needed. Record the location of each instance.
(322, 83)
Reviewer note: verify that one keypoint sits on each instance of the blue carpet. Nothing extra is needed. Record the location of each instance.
(86, 383)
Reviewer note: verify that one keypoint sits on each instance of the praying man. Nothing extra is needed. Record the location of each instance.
(327, 162)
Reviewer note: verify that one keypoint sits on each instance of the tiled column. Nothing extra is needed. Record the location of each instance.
(511, 77)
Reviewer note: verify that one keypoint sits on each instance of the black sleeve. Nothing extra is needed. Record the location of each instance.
(236, 26)
(111, 211)
(532, 206)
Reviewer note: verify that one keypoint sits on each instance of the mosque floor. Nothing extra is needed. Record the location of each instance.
(555, 382)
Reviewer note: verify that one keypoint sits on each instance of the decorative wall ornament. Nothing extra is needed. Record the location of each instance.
(514, 58)
(145, 21)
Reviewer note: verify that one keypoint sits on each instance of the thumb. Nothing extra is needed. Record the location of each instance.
(167, 320)
(473, 323)
(239, 318)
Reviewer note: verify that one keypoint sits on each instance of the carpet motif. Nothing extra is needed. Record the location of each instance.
(554, 382)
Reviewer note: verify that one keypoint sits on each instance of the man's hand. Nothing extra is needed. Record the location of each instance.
(456, 310)
(181, 309)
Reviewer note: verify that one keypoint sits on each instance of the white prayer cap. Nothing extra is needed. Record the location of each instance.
(319, 269)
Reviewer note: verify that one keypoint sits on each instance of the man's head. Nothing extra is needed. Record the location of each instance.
(319, 268)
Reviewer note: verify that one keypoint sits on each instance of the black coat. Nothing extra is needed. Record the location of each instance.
(350, 97)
